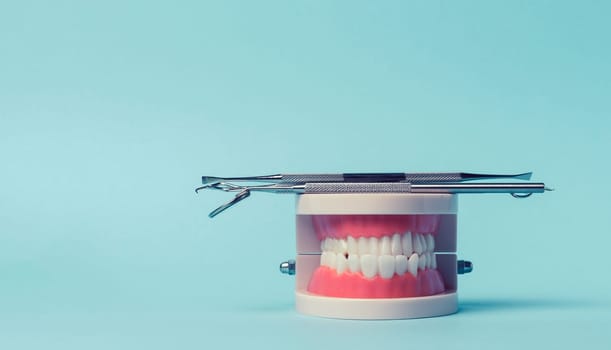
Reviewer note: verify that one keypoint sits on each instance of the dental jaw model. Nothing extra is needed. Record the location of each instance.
(382, 256)
(376, 250)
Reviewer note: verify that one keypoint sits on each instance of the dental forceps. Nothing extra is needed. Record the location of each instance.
(517, 190)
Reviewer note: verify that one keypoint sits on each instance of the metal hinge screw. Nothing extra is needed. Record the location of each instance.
(464, 266)
(288, 267)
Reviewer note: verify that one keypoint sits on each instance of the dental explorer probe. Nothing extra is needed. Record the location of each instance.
(368, 177)
(377, 187)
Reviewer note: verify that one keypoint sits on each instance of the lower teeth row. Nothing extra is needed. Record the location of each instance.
(384, 265)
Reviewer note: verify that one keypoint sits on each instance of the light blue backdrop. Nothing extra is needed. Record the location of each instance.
(111, 112)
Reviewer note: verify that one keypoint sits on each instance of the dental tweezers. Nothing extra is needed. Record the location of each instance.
(377, 187)
(367, 177)
(518, 190)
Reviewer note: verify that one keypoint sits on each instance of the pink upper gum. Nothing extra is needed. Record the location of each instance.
(341, 226)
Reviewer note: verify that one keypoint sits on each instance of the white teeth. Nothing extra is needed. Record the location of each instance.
(369, 265)
(412, 264)
(433, 261)
(386, 266)
(354, 263)
(400, 264)
(385, 245)
(353, 247)
(406, 243)
(342, 263)
(363, 244)
(373, 246)
(430, 242)
(422, 261)
(331, 259)
(417, 242)
(395, 245)
(327, 259)
(423, 242)
(331, 244)
(382, 256)
(341, 246)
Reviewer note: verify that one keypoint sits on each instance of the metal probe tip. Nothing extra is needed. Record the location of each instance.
(206, 186)
(209, 179)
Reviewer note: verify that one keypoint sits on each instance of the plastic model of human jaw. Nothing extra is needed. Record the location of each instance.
(376, 256)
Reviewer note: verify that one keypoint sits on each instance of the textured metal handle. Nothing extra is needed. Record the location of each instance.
(303, 178)
(432, 177)
(364, 187)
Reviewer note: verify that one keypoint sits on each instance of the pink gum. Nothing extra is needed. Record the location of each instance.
(342, 226)
(325, 281)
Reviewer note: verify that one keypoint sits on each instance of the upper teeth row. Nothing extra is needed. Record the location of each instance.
(397, 244)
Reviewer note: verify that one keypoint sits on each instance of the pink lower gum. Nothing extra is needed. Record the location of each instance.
(341, 226)
(326, 281)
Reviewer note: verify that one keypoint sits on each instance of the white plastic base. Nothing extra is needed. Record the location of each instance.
(376, 309)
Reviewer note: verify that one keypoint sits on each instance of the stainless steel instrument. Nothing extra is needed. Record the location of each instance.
(371, 183)
(368, 177)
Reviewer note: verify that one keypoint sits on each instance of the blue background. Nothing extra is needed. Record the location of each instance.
(111, 112)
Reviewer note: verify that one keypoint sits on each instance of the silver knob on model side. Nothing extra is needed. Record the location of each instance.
(288, 267)
(464, 266)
